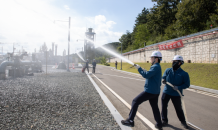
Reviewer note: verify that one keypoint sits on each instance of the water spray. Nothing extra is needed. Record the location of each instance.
(80, 56)
(113, 53)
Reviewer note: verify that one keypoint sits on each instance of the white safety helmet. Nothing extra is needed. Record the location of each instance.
(178, 57)
(156, 54)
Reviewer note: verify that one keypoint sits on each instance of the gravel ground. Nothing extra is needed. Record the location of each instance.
(60, 100)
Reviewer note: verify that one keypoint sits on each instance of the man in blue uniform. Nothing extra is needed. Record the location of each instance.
(87, 65)
(93, 66)
(151, 91)
(180, 79)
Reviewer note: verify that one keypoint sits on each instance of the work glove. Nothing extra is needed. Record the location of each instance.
(164, 81)
(144, 70)
(175, 88)
(137, 66)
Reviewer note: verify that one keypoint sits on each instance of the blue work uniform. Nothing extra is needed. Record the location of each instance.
(87, 66)
(151, 92)
(178, 78)
(153, 79)
(93, 66)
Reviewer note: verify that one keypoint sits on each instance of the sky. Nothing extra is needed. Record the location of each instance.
(28, 24)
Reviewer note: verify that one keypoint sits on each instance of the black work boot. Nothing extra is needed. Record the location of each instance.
(158, 127)
(164, 123)
(184, 124)
(127, 122)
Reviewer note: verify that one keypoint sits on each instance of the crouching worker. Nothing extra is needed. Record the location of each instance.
(180, 79)
(151, 91)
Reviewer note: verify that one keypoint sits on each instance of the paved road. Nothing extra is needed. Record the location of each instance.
(202, 110)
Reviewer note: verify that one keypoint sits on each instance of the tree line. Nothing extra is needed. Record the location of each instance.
(169, 19)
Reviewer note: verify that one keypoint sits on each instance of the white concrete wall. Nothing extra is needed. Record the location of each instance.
(198, 50)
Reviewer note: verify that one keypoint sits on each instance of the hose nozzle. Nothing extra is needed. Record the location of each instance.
(133, 66)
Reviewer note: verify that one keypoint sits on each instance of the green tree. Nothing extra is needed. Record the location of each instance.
(142, 35)
(126, 40)
(196, 15)
(162, 15)
(142, 17)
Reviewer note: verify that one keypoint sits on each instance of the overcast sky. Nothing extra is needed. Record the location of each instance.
(30, 23)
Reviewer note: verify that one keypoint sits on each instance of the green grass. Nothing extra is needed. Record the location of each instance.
(204, 75)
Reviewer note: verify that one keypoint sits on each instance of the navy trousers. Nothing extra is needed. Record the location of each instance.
(87, 68)
(176, 100)
(93, 69)
(153, 100)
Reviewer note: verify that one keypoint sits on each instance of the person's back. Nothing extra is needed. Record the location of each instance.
(94, 64)
(87, 63)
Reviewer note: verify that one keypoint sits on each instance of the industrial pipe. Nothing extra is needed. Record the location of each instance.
(4, 64)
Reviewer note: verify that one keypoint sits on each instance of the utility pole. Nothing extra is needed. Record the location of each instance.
(121, 55)
(13, 48)
(68, 43)
(144, 52)
(46, 61)
(68, 47)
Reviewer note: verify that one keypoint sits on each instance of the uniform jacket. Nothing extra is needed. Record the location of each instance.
(94, 64)
(178, 78)
(153, 79)
(87, 64)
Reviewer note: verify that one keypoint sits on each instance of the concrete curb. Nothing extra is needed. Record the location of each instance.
(191, 86)
(110, 106)
(204, 89)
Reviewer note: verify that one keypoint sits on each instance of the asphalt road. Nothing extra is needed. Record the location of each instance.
(202, 110)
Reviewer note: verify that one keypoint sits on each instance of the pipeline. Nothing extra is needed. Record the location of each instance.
(20, 65)
(4, 64)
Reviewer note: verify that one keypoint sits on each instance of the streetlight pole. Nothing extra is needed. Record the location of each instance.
(144, 52)
(121, 55)
(68, 47)
(68, 43)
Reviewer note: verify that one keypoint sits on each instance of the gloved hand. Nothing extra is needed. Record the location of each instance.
(164, 81)
(175, 88)
(144, 69)
(137, 66)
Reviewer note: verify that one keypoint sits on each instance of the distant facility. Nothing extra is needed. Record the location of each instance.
(89, 44)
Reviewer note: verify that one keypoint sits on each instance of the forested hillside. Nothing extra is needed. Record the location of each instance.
(169, 19)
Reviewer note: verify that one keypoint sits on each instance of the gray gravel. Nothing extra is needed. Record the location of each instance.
(60, 100)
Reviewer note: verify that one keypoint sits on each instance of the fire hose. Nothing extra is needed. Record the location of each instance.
(183, 107)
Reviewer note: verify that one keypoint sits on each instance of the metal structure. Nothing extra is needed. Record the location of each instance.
(17, 67)
(89, 46)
